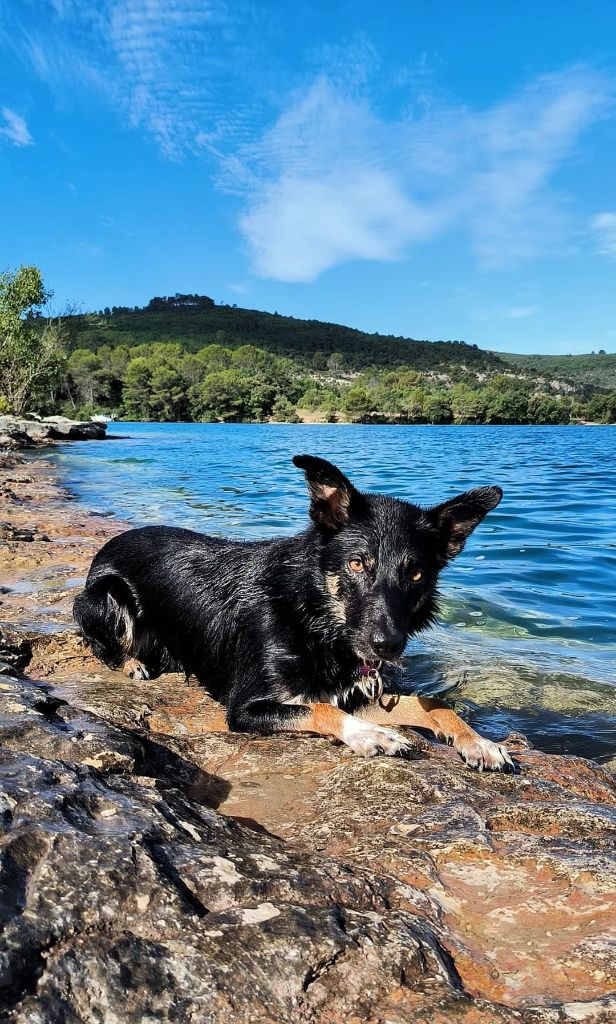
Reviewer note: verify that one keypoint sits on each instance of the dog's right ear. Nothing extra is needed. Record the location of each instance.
(330, 491)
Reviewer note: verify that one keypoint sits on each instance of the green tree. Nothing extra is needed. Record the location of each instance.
(437, 408)
(137, 392)
(467, 404)
(602, 409)
(168, 395)
(506, 400)
(283, 411)
(214, 357)
(85, 373)
(225, 395)
(411, 403)
(357, 403)
(547, 409)
(31, 355)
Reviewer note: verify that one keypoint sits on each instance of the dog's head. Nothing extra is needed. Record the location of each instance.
(381, 556)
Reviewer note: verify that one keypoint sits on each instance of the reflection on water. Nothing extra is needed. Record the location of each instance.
(529, 608)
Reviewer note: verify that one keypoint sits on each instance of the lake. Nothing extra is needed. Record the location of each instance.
(527, 635)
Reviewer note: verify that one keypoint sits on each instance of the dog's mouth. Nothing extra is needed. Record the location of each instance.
(372, 663)
(369, 664)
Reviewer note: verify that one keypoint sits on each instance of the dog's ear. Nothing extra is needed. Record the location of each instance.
(457, 518)
(330, 491)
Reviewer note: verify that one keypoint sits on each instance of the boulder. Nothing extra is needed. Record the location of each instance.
(20, 432)
(332, 889)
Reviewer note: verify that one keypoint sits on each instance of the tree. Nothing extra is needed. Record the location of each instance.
(357, 403)
(168, 396)
(224, 395)
(602, 409)
(411, 403)
(437, 408)
(31, 357)
(85, 371)
(547, 409)
(138, 389)
(468, 405)
(283, 411)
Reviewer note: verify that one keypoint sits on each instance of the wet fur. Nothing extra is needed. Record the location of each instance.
(273, 628)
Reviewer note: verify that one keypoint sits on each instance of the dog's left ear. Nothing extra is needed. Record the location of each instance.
(457, 518)
(330, 491)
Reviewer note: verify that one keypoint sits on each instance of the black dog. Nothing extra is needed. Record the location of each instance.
(291, 634)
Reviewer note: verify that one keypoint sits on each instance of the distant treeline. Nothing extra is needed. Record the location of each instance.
(185, 358)
(165, 381)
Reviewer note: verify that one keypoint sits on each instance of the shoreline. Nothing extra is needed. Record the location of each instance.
(264, 842)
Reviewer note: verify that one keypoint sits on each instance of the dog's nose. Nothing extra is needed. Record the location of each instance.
(387, 645)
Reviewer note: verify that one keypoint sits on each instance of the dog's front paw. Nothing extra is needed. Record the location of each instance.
(372, 740)
(484, 755)
(135, 669)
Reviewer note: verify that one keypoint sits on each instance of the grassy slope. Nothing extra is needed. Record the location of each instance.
(600, 371)
(286, 336)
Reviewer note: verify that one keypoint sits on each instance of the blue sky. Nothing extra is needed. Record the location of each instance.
(438, 170)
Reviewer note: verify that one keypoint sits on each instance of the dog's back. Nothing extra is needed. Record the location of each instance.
(163, 599)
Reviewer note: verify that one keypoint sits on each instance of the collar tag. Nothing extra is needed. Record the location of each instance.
(370, 681)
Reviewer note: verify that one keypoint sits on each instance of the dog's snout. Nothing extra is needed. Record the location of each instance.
(387, 644)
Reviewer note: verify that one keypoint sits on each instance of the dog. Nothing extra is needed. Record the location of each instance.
(297, 633)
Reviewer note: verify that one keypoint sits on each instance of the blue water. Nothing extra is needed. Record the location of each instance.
(527, 637)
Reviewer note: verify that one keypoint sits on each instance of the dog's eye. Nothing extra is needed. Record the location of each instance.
(356, 565)
(416, 575)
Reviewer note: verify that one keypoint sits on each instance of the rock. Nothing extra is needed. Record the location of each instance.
(125, 899)
(15, 650)
(10, 532)
(12, 439)
(16, 432)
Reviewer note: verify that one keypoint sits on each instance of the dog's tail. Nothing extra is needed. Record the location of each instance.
(108, 613)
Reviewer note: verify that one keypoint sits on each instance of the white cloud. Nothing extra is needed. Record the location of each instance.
(604, 228)
(300, 226)
(331, 181)
(15, 128)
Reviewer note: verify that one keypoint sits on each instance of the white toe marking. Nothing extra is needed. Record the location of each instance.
(370, 740)
(483, 754)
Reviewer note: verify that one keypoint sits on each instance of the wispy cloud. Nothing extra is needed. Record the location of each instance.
(321, 176)
(14, 128)
(172, 68)
(603, 226)
(331, 181)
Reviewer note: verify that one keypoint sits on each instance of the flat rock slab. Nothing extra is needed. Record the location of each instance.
(125, 899)
(18, 432)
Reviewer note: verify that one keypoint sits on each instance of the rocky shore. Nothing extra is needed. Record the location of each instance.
(154, 866)
(29, 432)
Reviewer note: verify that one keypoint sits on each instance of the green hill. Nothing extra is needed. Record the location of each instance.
(196, 321)
(185, 358)
(597, 370)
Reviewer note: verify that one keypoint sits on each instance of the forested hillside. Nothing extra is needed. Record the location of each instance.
(196, 321)
(597, 369)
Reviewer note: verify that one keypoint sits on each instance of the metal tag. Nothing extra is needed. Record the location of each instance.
(371, 683)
